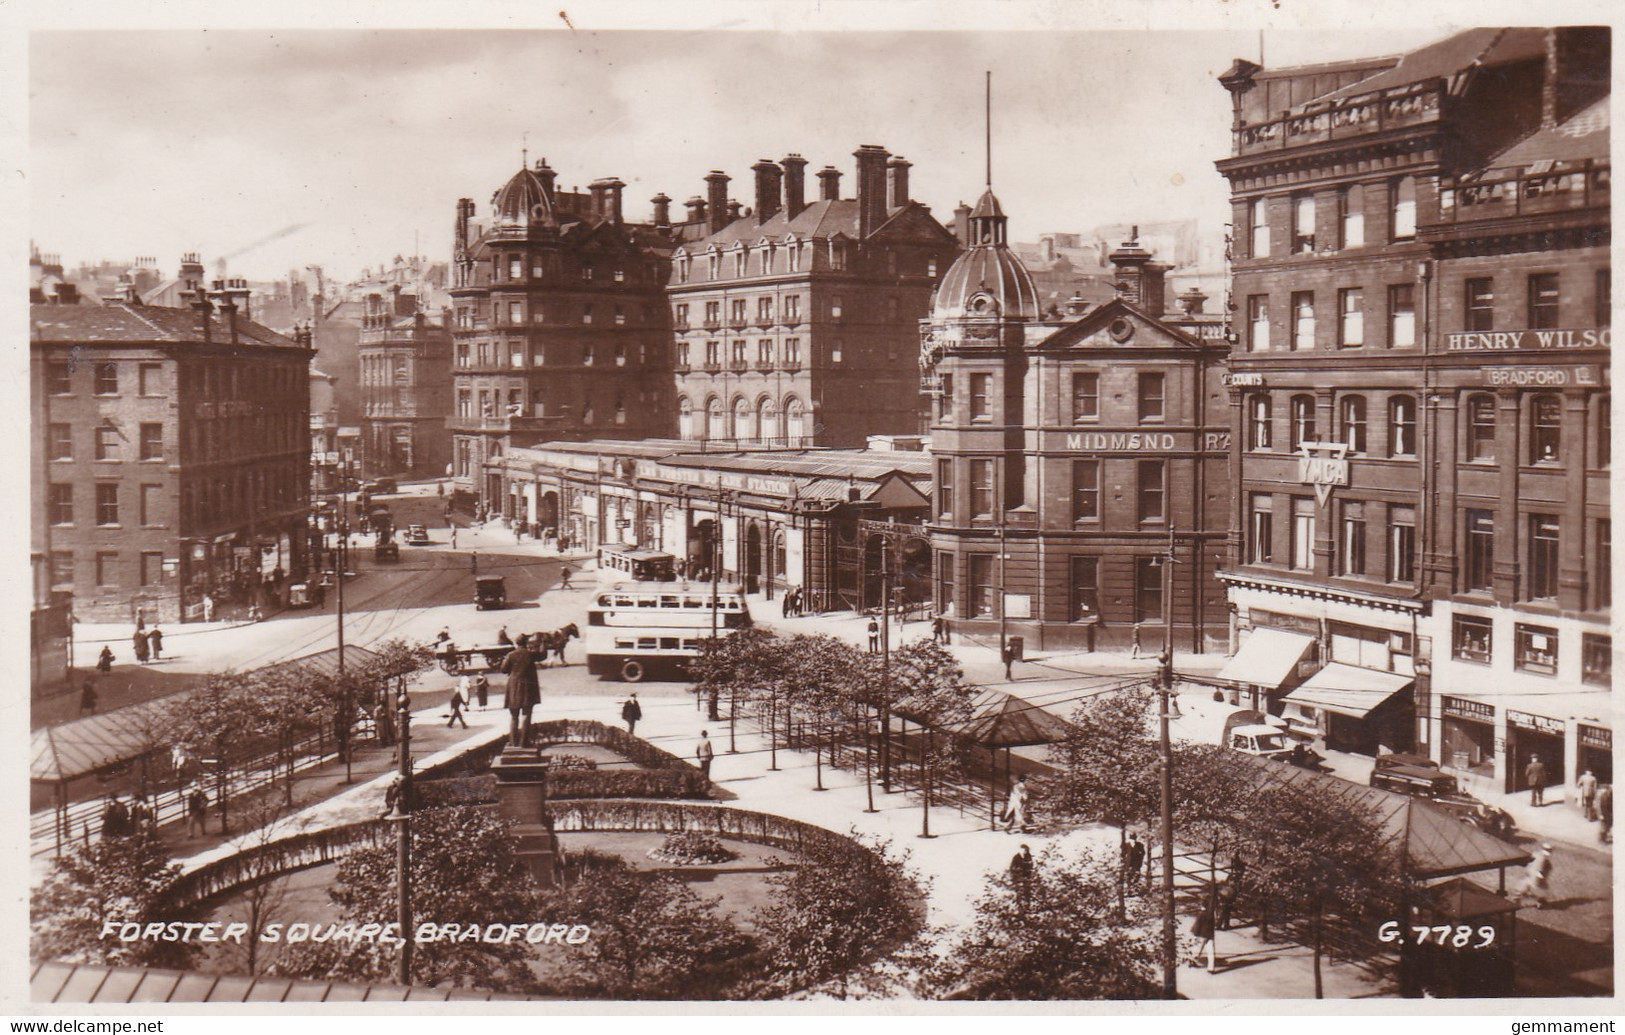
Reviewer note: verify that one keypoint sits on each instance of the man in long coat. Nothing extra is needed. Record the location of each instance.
(524, 691)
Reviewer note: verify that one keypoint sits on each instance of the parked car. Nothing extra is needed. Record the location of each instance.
(1262, 741)
(1419, 777)
(417, 535)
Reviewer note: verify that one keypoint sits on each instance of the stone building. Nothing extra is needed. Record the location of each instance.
(794, 322)
(560, 328)
(406, 392)
(1073, 454)
(1420, 394)
(171, 455)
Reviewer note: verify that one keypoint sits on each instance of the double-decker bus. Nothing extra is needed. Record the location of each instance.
(618, 565)
(650, 630)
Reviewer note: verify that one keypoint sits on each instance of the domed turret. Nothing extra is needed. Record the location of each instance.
(523, 200)
(987, 279)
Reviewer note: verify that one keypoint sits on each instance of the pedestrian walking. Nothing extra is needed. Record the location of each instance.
(1015, 808)
(440, 489)
(197, 811)
(1202, 928)
(1135, 649)
(1133, 860)
(87, 698)
(482, 690)
(523, 693)
(784, 604)
(1227, 894)
(1021, 874)
(936, 629)
(704, 751)
(459, 698)
(140, 814)
(874, 636)
(1534, 774)
(1586, 788)
(115, 818)
(1009, 657)
(155, 640)
(139, 642)
(565, 576)
(208, 607)
(631, 712)
(1537, 878)
(454, 537)
(1605, 813)
(104, 660)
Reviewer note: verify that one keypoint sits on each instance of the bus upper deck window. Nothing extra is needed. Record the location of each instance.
(669, 602)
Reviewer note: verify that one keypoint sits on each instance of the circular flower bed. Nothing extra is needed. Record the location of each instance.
(688, 848)
(569, 762)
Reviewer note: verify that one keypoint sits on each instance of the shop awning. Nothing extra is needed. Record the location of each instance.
(1349, 690)
(1267, 658)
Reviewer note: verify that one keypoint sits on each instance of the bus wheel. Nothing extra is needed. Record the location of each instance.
(632, 671)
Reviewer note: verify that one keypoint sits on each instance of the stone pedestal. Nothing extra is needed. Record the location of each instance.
(522, 797)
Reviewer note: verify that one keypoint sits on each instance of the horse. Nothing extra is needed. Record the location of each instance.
(545, 642)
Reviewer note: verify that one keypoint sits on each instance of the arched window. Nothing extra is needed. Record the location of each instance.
(768, 419)
(1303, 420)
(685, 417)
(1351, 422)
(1546, 429)
(1259, 421)
(1402, 426)
(742, 413)
(716, 421)
(794, 420)
(1481, 427)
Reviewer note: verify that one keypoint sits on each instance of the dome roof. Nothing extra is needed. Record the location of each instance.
(522, 200)
(987, 280)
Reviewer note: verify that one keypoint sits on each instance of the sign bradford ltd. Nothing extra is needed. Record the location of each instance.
(1323, 472)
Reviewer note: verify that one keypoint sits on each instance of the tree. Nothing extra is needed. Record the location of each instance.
(465, 872)
(1325, 854)
(836, 917)
(652, 937)
(928, 686)
(113, 880)
(261, 895)
(225, 720)
(1052, 936)
(1108, 766)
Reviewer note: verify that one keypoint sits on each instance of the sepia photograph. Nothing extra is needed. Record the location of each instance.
(755, 505)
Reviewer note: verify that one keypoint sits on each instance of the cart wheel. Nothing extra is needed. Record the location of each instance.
(632, 671)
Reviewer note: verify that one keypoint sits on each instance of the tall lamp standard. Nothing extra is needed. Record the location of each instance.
(341, 556)
(403, 836)
(712, 714)
(1165, 767)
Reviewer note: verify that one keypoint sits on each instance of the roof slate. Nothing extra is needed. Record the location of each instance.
(120, 323)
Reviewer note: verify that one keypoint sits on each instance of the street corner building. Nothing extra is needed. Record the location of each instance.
(1420, 393)
(1080, 452)
(171, 458)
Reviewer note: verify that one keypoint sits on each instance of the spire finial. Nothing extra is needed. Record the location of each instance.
(524, 150)
(988, 122)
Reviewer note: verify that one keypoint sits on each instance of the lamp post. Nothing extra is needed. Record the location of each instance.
(341, 556)
(403, 837)
(711, 714)
(1165, 685)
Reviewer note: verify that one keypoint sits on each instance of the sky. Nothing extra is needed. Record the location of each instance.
(353, 145)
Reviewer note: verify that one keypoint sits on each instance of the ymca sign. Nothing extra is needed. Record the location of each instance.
(1323, 472)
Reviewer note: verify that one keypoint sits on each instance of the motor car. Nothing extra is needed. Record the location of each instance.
(490, 591)
(1262, 741)
(1420, 777)
(385, 486)
(417, 535)
(386, 550)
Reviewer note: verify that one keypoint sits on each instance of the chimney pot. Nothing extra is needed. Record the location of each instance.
(768, 178)
(662, 213)
(795, 185)
(897, 182)
(829, 184)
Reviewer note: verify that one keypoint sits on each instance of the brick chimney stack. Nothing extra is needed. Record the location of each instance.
(829, 184)
(897, 182)
(696, 209)
(962, 224)
(612, 186)
(662, 204)
(795, 185)
(717, 199)
(768, 178)
(1139, 280)
(871, 187)
(545, 173)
